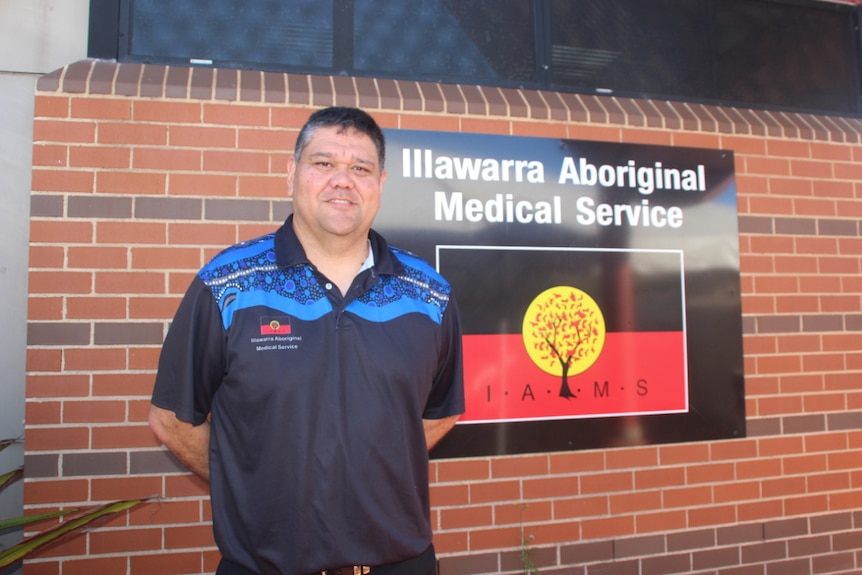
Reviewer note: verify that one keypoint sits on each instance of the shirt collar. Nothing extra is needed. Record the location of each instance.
(289, 252)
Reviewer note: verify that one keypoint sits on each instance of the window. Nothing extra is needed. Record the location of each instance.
(787, 54)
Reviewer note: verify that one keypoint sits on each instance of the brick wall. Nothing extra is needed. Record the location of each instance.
(141, 173)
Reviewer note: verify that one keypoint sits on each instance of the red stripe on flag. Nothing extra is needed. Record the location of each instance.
(636, 373)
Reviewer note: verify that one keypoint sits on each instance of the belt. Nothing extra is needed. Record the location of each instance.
(353, 570)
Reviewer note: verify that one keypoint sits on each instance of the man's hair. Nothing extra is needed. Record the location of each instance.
(344, 119)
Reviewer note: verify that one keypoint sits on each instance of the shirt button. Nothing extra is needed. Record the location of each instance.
(328, 286)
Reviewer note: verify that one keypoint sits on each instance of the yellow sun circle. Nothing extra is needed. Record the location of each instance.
(563, 331)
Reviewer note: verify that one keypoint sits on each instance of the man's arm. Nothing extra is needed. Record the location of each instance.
(435, 429)
(190, 443)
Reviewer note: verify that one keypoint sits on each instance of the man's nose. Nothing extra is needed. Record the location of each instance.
(341, 178)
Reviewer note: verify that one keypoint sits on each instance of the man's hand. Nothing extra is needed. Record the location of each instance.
(190, 443)
(435, 429)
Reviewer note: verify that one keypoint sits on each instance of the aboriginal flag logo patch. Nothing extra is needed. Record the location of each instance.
(274, 325)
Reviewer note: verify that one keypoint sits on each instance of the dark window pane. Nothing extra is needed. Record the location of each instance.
(631, 46)
(785, 56)
(467, 41)
(265, 32)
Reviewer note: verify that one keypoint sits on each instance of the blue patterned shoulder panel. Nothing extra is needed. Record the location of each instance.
(246, 275)
(418, 289)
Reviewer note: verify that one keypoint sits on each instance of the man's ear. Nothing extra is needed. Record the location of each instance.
(291, 172)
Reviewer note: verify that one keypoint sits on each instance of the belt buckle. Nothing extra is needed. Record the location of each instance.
(354, 570)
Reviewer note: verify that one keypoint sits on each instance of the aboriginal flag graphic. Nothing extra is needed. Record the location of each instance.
(563, 333)
(274, 325)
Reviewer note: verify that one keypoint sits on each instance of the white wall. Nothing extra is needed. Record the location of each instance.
(36, 37)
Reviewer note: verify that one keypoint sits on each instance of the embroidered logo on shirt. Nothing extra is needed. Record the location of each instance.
(270, 325)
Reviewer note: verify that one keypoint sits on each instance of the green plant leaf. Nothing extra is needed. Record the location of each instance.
(89, 515)
(10, 477)
(25, 520)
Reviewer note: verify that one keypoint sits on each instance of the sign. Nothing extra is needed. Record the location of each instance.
(598, 286)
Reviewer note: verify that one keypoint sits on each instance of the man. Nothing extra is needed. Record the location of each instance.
(307, 373)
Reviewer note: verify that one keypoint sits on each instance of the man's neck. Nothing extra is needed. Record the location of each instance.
(338, 258)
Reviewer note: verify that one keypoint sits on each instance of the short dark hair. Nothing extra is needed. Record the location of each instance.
(344, 119)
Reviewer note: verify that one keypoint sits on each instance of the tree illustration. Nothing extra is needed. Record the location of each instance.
(564, 332)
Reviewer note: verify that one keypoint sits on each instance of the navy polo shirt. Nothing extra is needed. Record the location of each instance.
(317, 448)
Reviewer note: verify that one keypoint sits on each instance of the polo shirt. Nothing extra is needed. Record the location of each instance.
(316, 400)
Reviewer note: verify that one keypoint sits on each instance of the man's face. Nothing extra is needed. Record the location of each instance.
(336, 185)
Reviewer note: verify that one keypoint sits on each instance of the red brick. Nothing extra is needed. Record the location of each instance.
(467, 470)
(636, 501)
(169, 112)
(57, 386)
(519, 466)
(715, 515)
(581, 507)
(42, 413)
(262, 139)
(151, 258)
(116, 488)
(619, 526)
(154, 307)
(736, 491)
(129, 182)
(57, 131)
(252, 186)
(188, 485)
(94, 411)
(233, 115)
(51, 106)
(235, 161)
(94, 359)
(70, 181)
(45, 308)
(51, 232)
(523, 512)
(99, 157)
(133, 134)
(60, 492)
(47, 257)
(97, 257)
(806, 504)
(535, 488)
(206, 185)
(629, 458)
(577, 462)
(50, 155)
(95, 307)
(92, 565)
(144, 358)
(127, 233)
(101, 108)
(168, 159)
(660, 521)
(108, 282)
(166, 563)
(186, 536)
(123, 541)
(494, 538)
(687, 496)
(122, 384)
(607, 482)
(463, 517)
(203, 137)
(683, 453)
(449, 495)
(166, 513)
(491, 491)
(123, 437)
(60, 282)
(221, 235)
